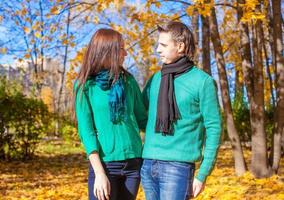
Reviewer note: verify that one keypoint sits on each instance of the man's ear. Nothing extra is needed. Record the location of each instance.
(181, 48)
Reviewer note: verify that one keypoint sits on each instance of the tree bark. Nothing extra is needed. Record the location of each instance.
(279, 114)
(240, 166)
(195, 28)
(268, 70)
(206, 45)
(64, 62)
(253, 78)
(259, 162)
(42, 35)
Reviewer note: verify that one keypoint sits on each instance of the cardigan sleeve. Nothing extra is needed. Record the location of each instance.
(139, 108)
(146, 92)
(86, 126)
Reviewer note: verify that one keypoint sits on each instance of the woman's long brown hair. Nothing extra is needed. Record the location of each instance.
(103, 52)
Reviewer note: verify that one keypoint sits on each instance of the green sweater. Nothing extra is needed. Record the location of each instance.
(197, 100)
(97, 132)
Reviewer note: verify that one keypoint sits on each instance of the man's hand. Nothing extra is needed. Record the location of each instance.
(197, 187)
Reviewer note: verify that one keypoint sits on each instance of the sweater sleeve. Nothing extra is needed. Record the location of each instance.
(86, 127)
(210, 111)
(139, 108)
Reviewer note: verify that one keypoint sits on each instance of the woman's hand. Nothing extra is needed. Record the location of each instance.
(102, 187)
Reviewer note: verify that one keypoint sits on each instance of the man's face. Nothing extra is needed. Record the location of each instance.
(168, 49)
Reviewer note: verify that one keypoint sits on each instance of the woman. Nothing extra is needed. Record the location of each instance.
(109, 111)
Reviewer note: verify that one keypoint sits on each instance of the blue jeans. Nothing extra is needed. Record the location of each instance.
(167, 180)
(124, 178)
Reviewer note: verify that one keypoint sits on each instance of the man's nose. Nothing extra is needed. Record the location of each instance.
(158, 49)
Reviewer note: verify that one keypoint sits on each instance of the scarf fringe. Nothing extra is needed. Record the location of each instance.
(164, 126)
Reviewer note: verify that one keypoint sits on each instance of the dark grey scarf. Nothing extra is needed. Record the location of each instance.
(167, 111)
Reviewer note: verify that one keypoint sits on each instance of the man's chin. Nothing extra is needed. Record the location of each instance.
(164, 60)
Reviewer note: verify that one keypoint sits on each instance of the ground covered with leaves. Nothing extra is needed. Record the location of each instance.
(59, 171)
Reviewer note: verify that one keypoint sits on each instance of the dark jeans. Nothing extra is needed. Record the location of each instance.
(167, 180)
(124, 178)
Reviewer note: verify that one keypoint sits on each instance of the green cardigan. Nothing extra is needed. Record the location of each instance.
(97, 133)
(197, 100)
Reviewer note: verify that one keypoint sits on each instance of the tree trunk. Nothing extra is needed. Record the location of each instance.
(206, 45)
(240, 166)
(259, 162)
(253, 78)
(268, 70)
(42, 35)
(195, 28)
(64, 62)
(270, 34)
(279, 114)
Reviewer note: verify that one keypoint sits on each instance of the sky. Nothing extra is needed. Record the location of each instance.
(85, 33)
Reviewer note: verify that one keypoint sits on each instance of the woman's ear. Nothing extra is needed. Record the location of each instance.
(181, 48)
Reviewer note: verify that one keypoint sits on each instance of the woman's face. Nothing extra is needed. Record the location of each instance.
(122, 53)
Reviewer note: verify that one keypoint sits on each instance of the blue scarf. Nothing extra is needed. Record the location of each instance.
(117, 98)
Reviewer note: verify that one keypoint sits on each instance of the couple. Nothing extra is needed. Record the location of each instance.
(178, 110)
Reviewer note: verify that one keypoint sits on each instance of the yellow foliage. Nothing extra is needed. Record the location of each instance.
(52, 29)
(47, 97)
(201, 7)
(3, 50)
(27, 56)
(23, 12)
(54, 10)
(37, 34)
(118, 4)
(96, 19)
(190, 10)
(36, 26)
(64, 41)
(72, 44)
(74, 63)
(251, 13)
(60, 172)
(26, 30)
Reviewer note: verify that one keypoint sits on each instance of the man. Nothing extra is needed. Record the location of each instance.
(184, 122)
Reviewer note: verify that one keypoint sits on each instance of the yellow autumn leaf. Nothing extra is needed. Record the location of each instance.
(64, 41)
(26, 30)
(157, 4)
(3, 50)
(96, 19)
(54, 10)
(155, 68)
(87, 18)
(36, 26)
(37, 34)
(189, 10)
(27, 56)
(118, 4)
(23, 12)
